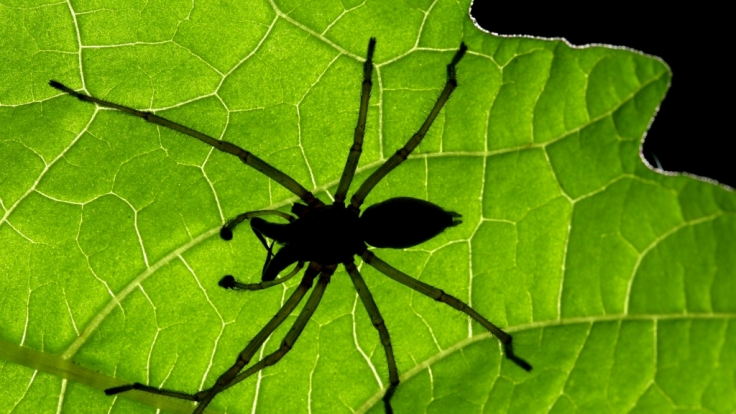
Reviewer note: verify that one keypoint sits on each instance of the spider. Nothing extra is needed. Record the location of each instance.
(325, 236)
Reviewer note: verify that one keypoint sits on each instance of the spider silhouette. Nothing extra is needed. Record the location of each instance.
(325, 236)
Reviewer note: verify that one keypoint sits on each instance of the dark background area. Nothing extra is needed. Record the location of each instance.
(690, 133)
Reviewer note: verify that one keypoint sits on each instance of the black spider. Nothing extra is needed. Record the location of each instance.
(325, 236)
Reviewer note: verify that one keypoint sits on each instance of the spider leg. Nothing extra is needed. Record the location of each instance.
(296, 329)
(440, 296)
(244, 357)
(245, 156)
(352, 163)
(400, 155)
(377, 320)
(153, 390)
(227, 378)
(228, 282)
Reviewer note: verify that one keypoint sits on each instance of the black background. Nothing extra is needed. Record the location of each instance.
(691, 131)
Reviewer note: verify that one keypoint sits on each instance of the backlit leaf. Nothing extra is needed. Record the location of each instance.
(618, 283)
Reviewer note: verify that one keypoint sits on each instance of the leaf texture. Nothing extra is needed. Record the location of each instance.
(618, 283)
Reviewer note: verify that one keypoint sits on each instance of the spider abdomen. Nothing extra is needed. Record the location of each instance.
(403, 222)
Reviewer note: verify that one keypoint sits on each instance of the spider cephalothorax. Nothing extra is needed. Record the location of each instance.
(325, 236)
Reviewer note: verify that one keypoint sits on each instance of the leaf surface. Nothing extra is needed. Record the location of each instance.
(616, 282)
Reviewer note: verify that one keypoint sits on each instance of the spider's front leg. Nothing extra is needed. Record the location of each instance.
(231, 377)
(153, 390)
(296, 330)
(204, 397)
(245, 156)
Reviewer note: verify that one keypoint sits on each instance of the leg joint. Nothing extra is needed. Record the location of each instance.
(231, 148)
(358, 146)
(307, 282)
(403, 153)
(378, 323)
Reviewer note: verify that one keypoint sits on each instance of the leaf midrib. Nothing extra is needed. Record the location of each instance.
(64, 368)
(375, 398)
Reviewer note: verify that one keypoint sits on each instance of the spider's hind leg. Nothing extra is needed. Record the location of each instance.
(377, 320)
(357, 200)
(440, 296)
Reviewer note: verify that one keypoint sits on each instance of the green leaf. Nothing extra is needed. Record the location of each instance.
(617, 282)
